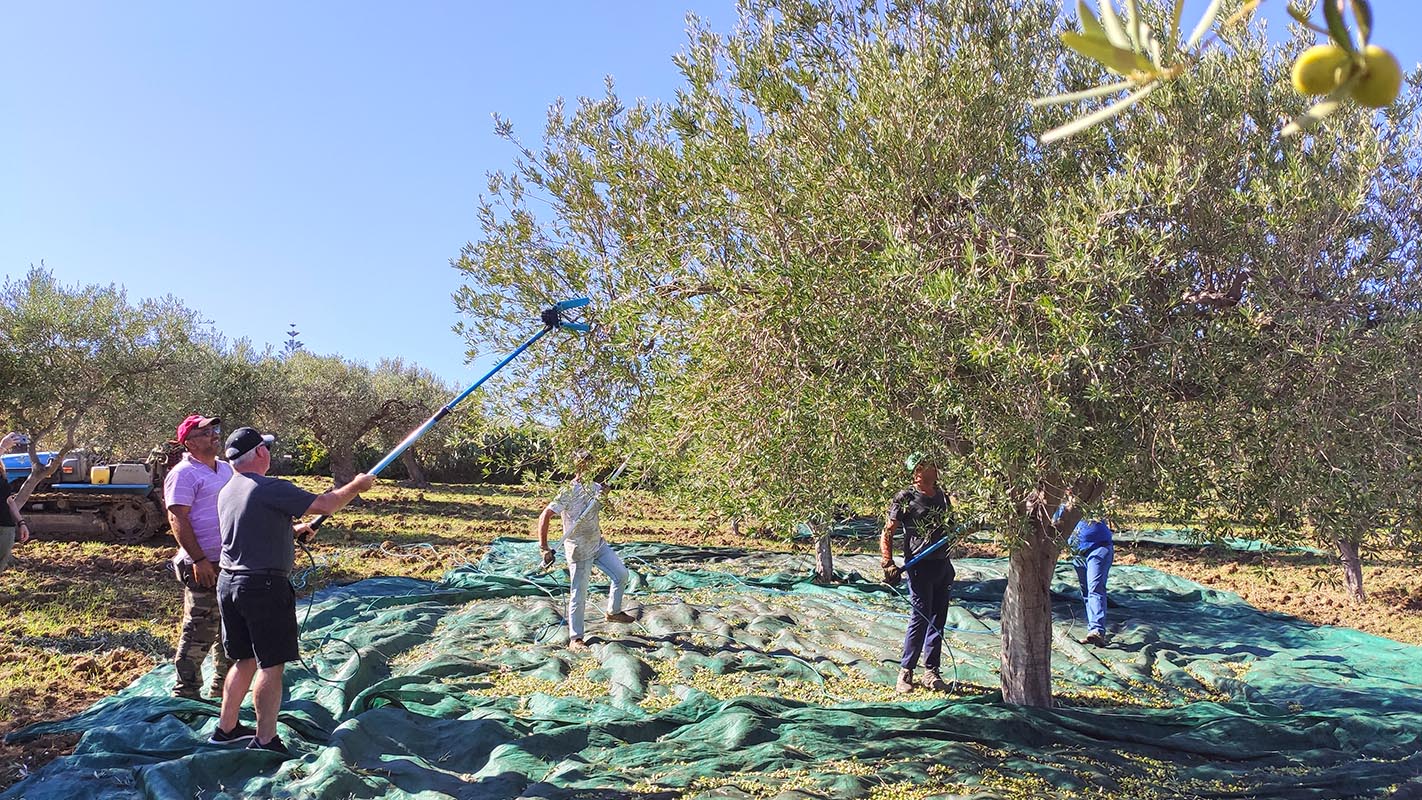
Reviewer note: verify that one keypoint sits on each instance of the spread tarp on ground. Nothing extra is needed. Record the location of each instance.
(871, 527)
(741, 678)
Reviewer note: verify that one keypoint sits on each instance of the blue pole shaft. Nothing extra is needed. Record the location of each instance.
(438, 415)
(926, 551)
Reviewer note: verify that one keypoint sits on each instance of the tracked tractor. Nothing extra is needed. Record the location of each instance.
(120, 502)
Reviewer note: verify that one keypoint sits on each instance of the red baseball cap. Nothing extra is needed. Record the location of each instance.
(195, 421)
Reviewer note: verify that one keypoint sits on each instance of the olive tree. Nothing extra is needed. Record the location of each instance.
(334, 400)
(842, 243)
(84, 364)
(411, 394)
(235, 381)
(1334, 418)
(1338, 462)
(341, 403)
(214, 378)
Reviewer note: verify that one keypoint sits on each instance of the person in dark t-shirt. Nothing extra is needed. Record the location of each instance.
(255, 514)
(924, 513)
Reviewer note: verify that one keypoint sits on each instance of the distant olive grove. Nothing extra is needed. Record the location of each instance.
(88, 366)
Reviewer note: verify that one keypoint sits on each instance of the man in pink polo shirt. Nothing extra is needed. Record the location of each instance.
(190, 493)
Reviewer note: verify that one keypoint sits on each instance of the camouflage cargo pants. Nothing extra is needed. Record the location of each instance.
(200, 631)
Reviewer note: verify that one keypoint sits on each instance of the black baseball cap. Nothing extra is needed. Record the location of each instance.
(245, 440)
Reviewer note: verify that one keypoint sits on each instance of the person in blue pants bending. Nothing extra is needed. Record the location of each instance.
(1092, 553)
(923, 512)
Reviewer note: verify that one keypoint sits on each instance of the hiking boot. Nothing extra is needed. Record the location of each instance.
(905, 684)
(932, 682)
(189, 695)
(1097, 638)
(621, 616)
(577, 645)
(239, 733)
(274, 745)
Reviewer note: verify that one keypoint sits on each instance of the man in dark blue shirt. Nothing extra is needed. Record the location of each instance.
(259, 630)
(923, 512)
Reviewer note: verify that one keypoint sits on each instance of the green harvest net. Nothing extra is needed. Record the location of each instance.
(741, 678)
(871, 527)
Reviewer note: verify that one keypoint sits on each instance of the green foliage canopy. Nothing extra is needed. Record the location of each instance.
(840, 245)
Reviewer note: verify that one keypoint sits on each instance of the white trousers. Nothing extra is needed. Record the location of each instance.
(578, 572)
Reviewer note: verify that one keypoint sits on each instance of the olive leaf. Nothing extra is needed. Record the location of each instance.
(1337, 28)
(1076, 126)
(1085, 94)
(1203, 26)
(1363, 13)
(1320, 110)
(1116, 59)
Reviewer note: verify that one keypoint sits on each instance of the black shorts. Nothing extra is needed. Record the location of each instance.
(258, 618)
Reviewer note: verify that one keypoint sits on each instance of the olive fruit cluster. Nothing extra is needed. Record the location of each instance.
(1324, 67)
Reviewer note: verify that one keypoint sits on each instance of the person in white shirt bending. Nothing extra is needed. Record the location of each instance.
(584, 547)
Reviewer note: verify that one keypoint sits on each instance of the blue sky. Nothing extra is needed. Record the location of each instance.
(314, 162)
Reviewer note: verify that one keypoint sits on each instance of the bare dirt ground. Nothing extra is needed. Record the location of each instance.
(82, 620)
(1306, 586)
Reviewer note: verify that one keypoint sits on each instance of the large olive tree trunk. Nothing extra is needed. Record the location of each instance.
(1352, 568)
(1027, 604)
(1027, 620)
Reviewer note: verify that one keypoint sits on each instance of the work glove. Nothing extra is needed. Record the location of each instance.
(893, 575)
(547, 557)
